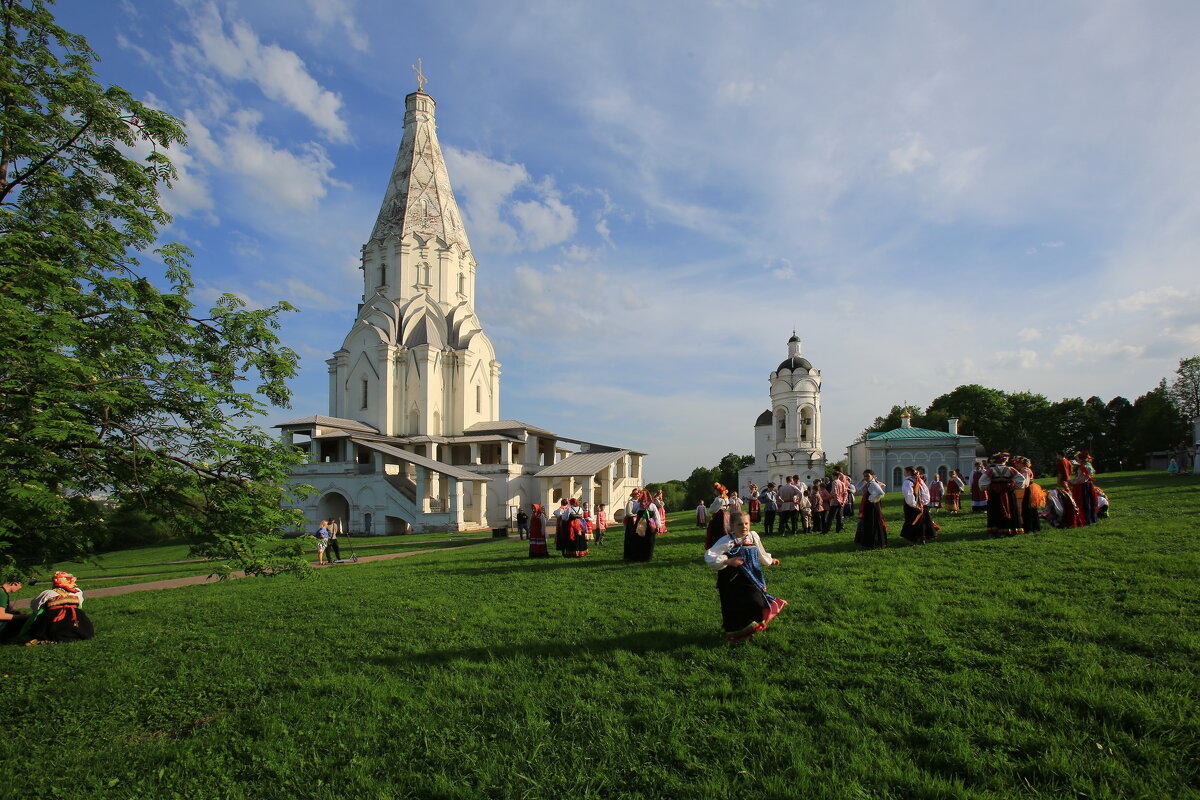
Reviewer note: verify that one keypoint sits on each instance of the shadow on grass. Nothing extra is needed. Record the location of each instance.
(642, 642)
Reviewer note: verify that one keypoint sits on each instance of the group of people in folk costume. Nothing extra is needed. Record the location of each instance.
(1076, 499)
(575, 526)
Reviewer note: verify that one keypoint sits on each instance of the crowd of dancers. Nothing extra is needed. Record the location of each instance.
(1003, 488)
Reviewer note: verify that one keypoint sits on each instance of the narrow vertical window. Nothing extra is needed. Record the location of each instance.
(365, 388)
(462, 283)
(382, 274)
(478, 400)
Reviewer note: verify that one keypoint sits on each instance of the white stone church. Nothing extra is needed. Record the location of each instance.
(787, 436)
(413, 441)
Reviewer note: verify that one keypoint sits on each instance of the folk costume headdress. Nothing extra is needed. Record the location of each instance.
(720, 490)
(1082, 456)
(999, 458)
(64, 580)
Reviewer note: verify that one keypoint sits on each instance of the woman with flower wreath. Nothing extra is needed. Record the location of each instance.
(57, 614)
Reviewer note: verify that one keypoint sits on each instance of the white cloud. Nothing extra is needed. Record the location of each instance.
(279, 73)
(910, 157)
(1029, 334)
(489, 187)
(1080, 348)
(343, 14)
(545, 222)
(278, 177)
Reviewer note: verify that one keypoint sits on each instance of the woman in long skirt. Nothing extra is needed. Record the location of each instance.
(954, 487)
(718, 516)
(537, 533)
(746, 608)
(661, 505)
(1030, 497)
(641, 528)
(576, 545)
(872, 530)
(918, 525)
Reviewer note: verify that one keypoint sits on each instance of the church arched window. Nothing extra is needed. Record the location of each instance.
(897, 477)
(366, 388)
(383, 274)
(462, 283)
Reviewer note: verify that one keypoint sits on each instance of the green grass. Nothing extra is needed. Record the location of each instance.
(174, 560)
(1059, 664)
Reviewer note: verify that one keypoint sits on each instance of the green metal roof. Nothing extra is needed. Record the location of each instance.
(913, 433)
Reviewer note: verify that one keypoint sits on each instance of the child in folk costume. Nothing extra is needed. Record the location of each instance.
(601, 522)
(739, 557)
(804, 509)
(57, 614)
(701, 515)
(753, 503)
(918, 525)
(871, 531)
(537, 533)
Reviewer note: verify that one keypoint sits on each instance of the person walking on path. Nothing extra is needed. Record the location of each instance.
(522, 524)
(322, 536)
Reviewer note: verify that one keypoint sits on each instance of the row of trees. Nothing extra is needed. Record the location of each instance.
(112, 384)
(699, 485)
(1118, 433)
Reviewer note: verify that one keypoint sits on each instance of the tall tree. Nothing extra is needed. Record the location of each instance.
(983, 412)
(1156, 424)
(109, 384)
(1185, 389)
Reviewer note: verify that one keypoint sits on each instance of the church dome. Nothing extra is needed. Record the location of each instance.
(764, 419)
(793, 364)
(794, 338)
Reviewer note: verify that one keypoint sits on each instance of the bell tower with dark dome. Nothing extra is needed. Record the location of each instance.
(787, 436)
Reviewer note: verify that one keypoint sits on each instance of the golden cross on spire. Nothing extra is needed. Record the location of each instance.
(421, 79)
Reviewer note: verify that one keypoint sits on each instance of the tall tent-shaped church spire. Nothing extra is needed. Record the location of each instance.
(419, 198)
(417, 361)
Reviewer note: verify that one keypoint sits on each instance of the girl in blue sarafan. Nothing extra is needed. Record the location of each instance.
(746, 608)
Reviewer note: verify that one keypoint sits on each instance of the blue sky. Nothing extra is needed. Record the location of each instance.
(930, 193)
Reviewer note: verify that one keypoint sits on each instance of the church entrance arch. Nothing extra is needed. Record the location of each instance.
(334, 505)
(897, 477)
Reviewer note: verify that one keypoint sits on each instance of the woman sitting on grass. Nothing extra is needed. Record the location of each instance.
(58, 614)
(746, 608)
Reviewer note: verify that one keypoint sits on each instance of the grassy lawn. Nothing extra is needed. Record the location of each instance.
(173, 560)
(1052, 665)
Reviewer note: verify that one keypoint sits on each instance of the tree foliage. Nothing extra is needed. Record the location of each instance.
(109, 384)
(1118, 433)
(1185, 389)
